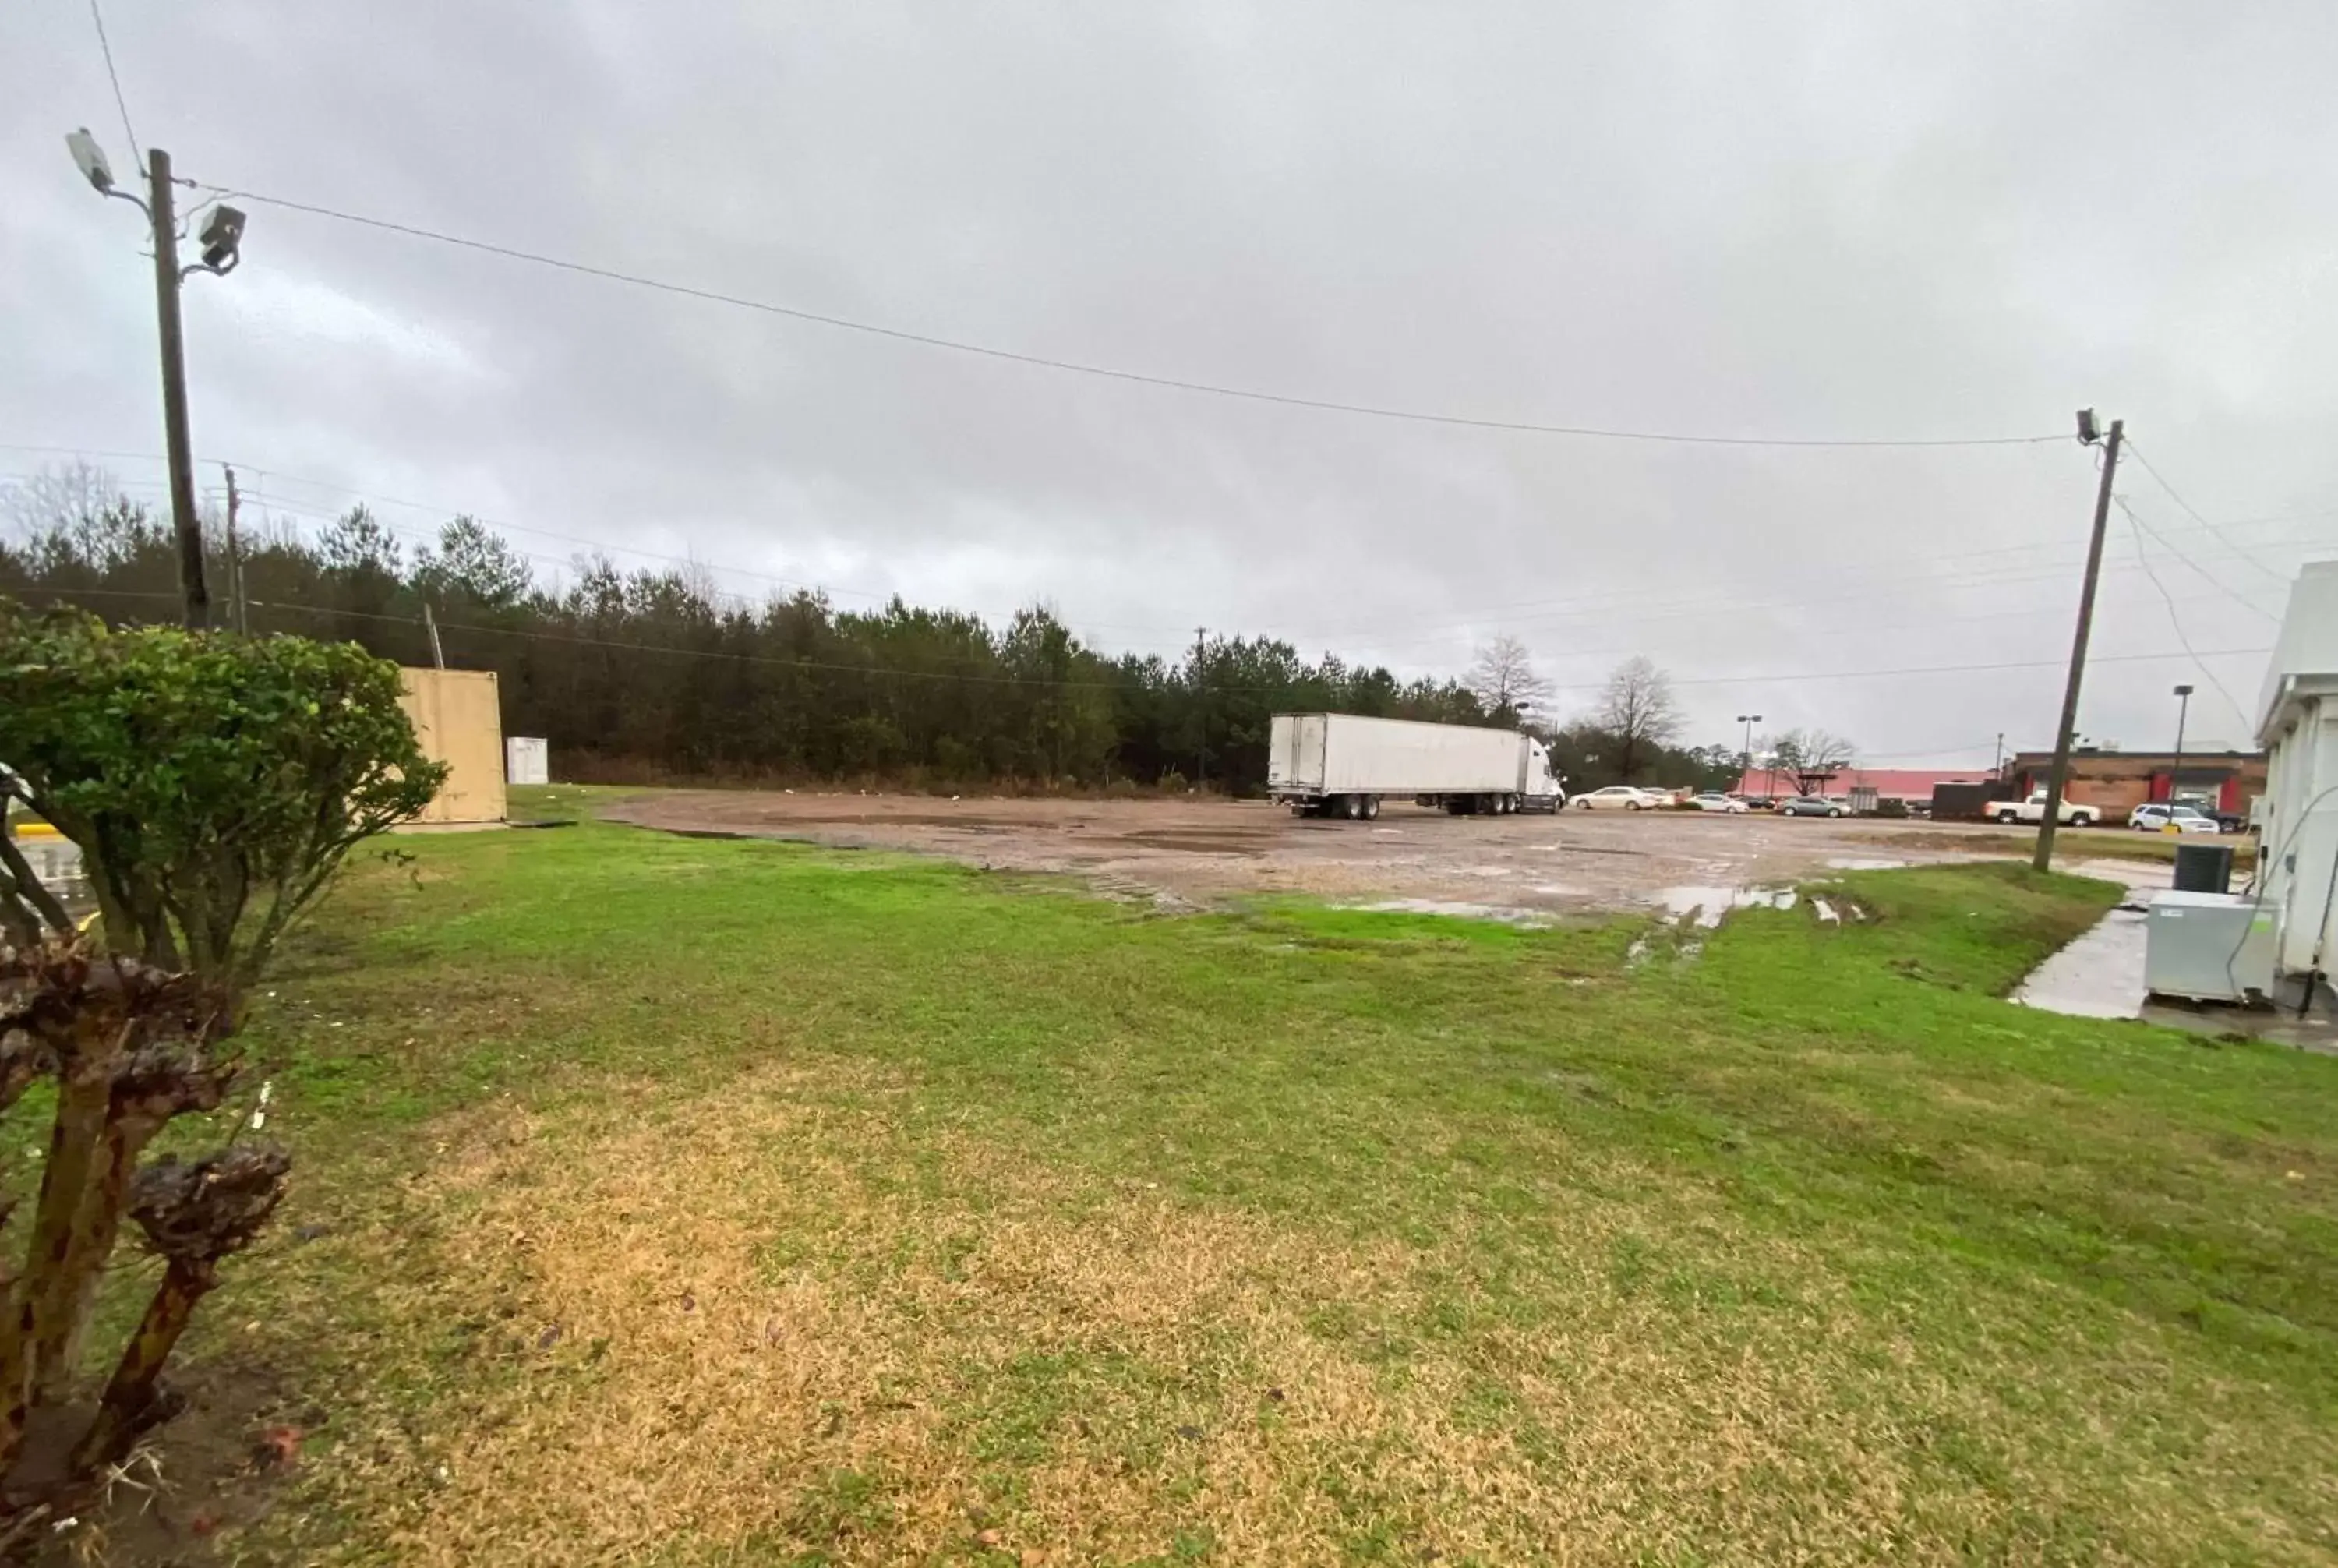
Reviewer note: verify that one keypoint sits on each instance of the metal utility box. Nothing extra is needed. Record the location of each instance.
(527, 760)
(2208, 946)
(2204, 867)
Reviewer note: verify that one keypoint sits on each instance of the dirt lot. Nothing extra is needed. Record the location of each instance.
(1202, 851)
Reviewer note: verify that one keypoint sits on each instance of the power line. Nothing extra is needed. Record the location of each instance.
(1604, 606)
(1603, 611)
(874, 671)
(2211, 527)
(2175, 622)
(1016, 357)
(105, 48)
(2218, 583)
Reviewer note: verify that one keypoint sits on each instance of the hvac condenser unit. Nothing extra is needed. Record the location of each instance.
(2209, 946)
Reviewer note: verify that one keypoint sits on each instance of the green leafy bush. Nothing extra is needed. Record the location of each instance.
(215, 783)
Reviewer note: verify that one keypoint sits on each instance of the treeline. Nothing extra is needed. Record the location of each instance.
(657, 674)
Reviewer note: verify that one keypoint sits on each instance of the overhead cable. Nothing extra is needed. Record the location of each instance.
(1081, 368)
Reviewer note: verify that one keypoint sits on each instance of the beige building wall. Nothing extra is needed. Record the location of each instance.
(458, 717)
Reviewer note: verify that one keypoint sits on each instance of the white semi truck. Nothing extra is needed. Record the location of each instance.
(1345, 765)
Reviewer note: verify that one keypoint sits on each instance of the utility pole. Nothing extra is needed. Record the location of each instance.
(188, 525)
(235, 559)
(1749, 720)
(1202, 712)
(2052, 818)
(431, 622)
(221, 237)
(2175, 769)
(1996, 763)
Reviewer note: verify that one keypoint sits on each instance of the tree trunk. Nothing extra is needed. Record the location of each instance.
(21, 890)
(96, 1230)
(131, 1392)
(53, 1260)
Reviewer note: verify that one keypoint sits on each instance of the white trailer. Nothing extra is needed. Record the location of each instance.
(1345, 765)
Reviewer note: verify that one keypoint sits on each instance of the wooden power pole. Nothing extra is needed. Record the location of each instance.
(1201, 712)
(235, 559)
(183, 517)
(2060, 778)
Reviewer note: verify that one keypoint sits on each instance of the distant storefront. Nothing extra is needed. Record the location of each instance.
(2118, 781)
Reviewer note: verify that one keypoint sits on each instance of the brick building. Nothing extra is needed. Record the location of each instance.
(1914, 785)
(2118, 781)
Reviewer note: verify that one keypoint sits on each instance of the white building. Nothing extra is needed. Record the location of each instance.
(2297, 725)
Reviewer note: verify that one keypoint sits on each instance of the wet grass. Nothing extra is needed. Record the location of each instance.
(700, 1201)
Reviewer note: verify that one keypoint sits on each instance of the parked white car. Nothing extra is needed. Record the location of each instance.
(2156, 816)
(1715, 800)
(1619, 798)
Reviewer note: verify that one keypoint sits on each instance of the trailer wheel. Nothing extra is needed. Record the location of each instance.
(1371, 808)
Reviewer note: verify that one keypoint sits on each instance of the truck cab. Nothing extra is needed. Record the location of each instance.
(1543, 788)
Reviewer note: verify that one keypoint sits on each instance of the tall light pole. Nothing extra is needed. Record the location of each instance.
(222, 237)
(2052, 818)
(2176, 770)
(1749, 720)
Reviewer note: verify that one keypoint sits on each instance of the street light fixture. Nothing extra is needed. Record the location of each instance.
(222, 241)
(90, 158)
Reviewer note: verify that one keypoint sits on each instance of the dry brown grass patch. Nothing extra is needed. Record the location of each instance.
(769, 1323)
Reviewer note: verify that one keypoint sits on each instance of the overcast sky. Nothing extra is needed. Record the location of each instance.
(1866, 222)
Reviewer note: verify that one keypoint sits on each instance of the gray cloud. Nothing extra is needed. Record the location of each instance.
(1785, 220)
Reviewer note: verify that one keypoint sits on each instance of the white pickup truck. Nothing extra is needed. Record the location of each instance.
(2034, 810)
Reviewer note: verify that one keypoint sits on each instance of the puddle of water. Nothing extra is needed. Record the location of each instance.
(1827, 916)
(1460, 911)
(1561, 890)
(1853, 863)
(1708, 905)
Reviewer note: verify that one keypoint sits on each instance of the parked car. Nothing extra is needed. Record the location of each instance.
(1619, 798)
(2033, 809)
(1813, 806)
(1715, 800)
(2155, 816)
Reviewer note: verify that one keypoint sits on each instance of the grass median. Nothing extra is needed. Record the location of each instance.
(689, 1200)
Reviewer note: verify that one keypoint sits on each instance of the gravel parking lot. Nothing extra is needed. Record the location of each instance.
(1204, 852)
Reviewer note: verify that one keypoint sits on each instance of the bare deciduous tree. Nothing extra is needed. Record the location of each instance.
(1638, 714)
(1812, 756)
(1504, 676)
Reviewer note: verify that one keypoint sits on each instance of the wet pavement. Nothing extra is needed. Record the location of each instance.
(2101, 975)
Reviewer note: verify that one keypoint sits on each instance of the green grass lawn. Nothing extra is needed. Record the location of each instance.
(683, 1201)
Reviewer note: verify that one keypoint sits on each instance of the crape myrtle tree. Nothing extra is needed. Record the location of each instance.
(215, 783)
